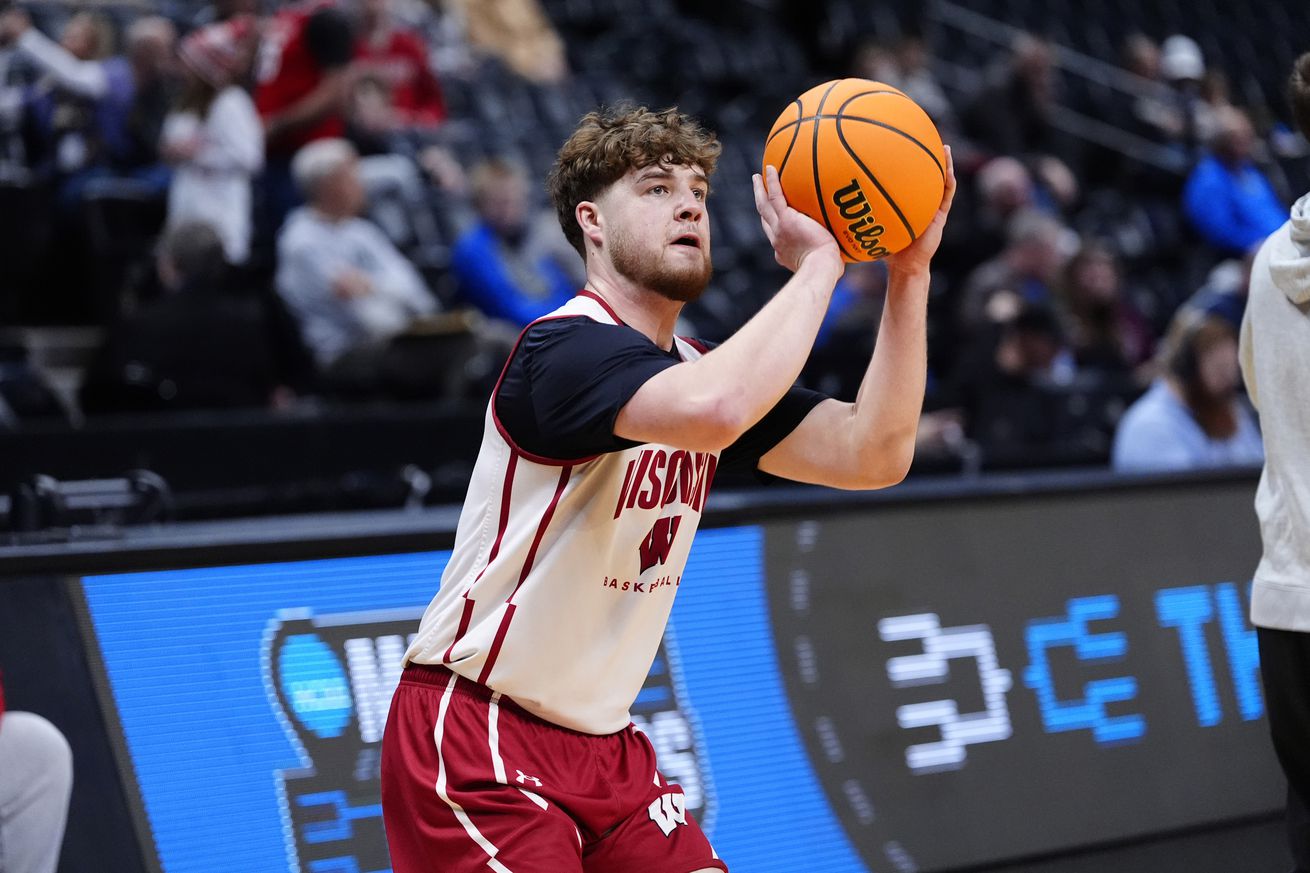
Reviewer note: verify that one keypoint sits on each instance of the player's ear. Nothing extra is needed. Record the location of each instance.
(589, 219)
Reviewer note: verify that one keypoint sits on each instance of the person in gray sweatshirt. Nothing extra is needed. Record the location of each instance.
(1275, 356)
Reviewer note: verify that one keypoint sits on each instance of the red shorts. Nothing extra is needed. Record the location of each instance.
(471, 782)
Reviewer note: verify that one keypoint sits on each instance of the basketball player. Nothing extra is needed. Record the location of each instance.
(509, 745)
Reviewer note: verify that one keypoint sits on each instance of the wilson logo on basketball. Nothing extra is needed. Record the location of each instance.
(860, 225)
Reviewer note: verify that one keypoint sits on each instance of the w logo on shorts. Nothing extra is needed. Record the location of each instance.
(655, 548)
(668, 811)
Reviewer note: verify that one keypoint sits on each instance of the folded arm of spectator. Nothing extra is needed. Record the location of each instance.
(83, 78)
(331, 95)
(395, 277)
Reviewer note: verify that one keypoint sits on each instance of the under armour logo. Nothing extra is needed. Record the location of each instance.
(524, 778)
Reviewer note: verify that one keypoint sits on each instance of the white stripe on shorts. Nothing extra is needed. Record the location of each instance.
(535, 798)
(493, 738)
(460, 814)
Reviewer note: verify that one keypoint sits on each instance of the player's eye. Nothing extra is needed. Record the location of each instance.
(658, 189)
(700, 193)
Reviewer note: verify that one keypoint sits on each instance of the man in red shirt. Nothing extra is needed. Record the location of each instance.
(396, 58)
(304, 79)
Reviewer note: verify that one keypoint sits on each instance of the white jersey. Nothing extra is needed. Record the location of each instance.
(564, 572)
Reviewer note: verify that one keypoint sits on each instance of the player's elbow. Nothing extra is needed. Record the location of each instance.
(882, 465)
(714, 423)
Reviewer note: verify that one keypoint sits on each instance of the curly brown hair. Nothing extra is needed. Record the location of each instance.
(610, 142)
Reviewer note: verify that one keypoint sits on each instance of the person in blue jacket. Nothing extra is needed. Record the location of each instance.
(513, 264)
(1227, 198)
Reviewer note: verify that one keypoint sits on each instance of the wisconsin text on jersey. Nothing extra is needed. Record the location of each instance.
(658, 478)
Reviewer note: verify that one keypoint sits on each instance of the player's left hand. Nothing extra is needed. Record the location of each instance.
(918, 254)
(793, 234)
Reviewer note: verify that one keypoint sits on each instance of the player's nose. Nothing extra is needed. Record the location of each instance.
(690, 208)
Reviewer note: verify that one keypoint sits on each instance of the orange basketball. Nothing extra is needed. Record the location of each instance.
(862, 159)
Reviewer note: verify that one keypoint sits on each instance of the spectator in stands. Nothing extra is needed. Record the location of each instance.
(36, 782)
(348, 288)
(151, 43)
(1225, 290)
(224, 10)
(1141, 56)
(518, 34)
(906, 67)
(849, 329)
(1002, 189)
(214, 138)
(304, 84)
(1011, 115)
(26, 395)
(1155, 113)
(1107, 332)
(513, 263)
(395, 59)
(202, 345)
(1227, 198)
(1009, 379)
(1183, 67)
(96, 114)
(1192, 416)
(1025, 271)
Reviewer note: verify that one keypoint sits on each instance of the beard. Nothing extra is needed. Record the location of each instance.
(683, 284)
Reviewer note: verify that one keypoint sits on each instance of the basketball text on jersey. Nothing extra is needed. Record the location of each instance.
(658, 478)
(861, 226)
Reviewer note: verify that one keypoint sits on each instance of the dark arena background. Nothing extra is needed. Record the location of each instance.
(216, 538)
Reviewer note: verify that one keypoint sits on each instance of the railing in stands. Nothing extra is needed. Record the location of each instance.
(942, 15)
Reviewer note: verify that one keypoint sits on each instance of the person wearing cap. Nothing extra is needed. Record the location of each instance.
(214, 137)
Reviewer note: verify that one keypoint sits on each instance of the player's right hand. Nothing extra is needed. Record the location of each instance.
(793, 235)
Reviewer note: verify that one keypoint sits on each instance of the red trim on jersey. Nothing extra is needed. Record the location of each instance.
(500, 427)
(541, 529)
(465, 618)
(696, 344)
(603, 303)
(523, 575)
(506, 492)
(497, 643)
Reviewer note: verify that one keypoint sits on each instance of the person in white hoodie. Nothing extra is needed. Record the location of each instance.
(1275, 356)
(214, 137)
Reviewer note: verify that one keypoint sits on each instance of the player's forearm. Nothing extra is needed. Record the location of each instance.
(707, 404)
(755, 367)
(886, 413)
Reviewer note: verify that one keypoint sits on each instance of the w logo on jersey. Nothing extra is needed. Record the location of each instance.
(668, 811)
(655, 548)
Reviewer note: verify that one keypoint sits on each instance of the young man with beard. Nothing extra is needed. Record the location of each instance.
(509, 744)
